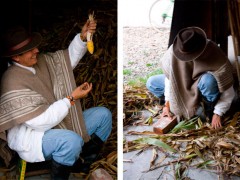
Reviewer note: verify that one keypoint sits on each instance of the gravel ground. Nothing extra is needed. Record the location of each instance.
(142, 49)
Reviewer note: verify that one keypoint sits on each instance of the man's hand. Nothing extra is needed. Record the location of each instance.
(216, 121)
(166, 112)
(82, 90)
(89, 26)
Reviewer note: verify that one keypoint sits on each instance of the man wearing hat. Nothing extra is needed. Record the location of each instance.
(40, 108)
(195, 70)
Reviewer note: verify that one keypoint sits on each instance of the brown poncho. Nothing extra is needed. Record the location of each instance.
(25, 95)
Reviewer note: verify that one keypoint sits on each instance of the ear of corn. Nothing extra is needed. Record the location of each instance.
(90, 45)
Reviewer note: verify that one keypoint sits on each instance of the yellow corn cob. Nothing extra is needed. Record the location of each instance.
(90, 45)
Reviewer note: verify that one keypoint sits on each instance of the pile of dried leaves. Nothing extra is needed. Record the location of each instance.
(135, 100)
(192, 143)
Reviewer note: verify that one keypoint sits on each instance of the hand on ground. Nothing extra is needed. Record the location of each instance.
(216, 121)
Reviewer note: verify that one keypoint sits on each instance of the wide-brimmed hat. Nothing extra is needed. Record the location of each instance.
(189, 43)
(17, 41)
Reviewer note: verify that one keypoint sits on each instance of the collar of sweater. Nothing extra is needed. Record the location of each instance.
(25, 67)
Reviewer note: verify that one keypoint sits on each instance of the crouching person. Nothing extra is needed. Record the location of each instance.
(195, 70)
(40, 107)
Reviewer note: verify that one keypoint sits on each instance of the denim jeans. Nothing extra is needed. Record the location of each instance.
(156, 85)
(207, 85)
(65, 146)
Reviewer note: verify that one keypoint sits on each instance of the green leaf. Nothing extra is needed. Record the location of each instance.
(149, 120)
(186, 124)
(155, 142)
(206, 163)
(190, 156)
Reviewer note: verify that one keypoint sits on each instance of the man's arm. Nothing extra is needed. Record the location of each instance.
(167, 89)
(77, 50)
(166, 108)
(224, 101)
(222, 107)
(51, 117)
(57, 111)
(77, 47)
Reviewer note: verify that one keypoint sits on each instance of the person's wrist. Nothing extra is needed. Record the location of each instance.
(71, 99)
(84, 39)
(217, 115)
(167, 104)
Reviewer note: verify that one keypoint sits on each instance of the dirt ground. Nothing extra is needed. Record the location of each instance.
(142, 49)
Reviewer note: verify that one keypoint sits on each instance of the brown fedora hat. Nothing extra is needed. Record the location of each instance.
(17, 41)
(189, 43)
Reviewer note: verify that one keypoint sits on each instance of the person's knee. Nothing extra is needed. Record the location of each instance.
(69, 148)
(74, 143)
(208, 87)
(105, 117)
(208, 83)
(106, 114)
(208, 80)
(156, 85)
(105, 127)
(149, 82)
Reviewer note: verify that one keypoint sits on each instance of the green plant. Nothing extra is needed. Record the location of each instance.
(156, 72)
(133, 83)
(141, 81)
(127, 72)
(149, 65)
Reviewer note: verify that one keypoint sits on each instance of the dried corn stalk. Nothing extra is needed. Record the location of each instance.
(90, 45)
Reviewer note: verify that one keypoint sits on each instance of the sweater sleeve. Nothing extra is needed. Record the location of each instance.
(224, 101)
(167, 89)
(51, 117)
(77, 49)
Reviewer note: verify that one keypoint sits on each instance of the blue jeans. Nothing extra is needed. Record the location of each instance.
(207, 85)
(65, 146)
(156, 85)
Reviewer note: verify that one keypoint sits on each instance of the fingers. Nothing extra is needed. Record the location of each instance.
(89, 26)
(89, 87)
(166, 112)
(216, 121)
(216, 125)
(92, 25)
(82, 90)
(86, 86)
